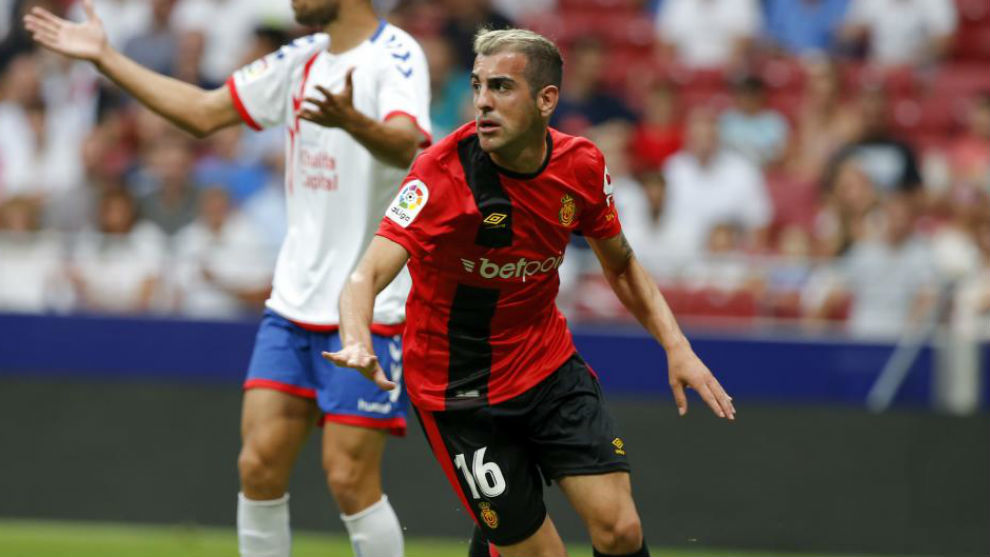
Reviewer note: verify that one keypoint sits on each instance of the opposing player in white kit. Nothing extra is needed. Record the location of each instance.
(354, 101)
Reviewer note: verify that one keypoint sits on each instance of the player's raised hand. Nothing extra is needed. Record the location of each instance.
(86, 40)
(687, 370)
(356, 356)
(332, 111)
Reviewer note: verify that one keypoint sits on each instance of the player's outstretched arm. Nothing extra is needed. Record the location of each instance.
(381, 262)
(393, 142)
(195, 110)
(638, 291)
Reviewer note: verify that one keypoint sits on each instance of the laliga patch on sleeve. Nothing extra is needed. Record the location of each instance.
(410, 201)
(255, 70)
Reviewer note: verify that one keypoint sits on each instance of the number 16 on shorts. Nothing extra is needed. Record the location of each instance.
(482, 476)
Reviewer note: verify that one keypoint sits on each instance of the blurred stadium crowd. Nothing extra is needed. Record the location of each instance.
(812, 162)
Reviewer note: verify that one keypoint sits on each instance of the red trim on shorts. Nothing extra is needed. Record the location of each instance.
(241, 109)
(492, 552)
(428, 137)
(379, 329)
(258, 383)
(443, 456)
(395, 426)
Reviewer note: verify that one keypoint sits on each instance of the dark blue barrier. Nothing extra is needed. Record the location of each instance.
(754, 367)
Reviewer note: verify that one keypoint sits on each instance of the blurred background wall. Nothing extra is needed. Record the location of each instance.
(808, 180)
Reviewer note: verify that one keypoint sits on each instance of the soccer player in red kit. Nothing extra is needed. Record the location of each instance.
(483, 220)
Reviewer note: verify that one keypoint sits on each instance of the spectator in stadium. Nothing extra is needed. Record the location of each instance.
(172, 202)
(464, 18)
(723, 266)
(30, 259)
(450, 86)
(901, 32)
(660, 132)
(751, 127)
(40, 143)
(156, 47)
(117, 267)
(889, 162)
(971, 305)
(224, 165)
(708, 185)
(850, 211)
(223, 27)
(586, 101)
(969, 154)
(824, 121)
(890, 277)
(708, 34)
(104, 163)
(223, 265)
(803, 27)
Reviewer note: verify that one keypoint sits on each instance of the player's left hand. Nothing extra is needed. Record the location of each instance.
(332, 111)
(687, 370)
(357, 356)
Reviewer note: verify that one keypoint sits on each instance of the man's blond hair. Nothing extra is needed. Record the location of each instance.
(544, 64)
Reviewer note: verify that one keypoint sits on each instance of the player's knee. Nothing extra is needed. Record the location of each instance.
(619, 535)
(347, 480)
(260, 476)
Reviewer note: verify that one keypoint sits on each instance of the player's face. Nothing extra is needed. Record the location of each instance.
(315, 13)
(504, 107)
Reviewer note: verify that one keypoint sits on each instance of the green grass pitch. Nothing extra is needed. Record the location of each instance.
(75, 539)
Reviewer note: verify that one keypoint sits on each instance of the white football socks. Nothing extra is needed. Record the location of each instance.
(375, 531)
(263, 527)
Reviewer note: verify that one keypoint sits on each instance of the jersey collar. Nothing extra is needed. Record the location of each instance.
(528, 175)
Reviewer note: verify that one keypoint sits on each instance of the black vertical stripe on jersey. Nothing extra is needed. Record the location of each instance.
(469, 332)
(483, 179)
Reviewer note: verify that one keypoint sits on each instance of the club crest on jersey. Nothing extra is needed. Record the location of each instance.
(410, 201)
(488, 515)
(568, 210)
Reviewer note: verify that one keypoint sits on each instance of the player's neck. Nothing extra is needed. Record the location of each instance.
(526, 158)
(356, 23)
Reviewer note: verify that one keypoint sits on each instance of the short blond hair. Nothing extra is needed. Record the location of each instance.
(544, 64)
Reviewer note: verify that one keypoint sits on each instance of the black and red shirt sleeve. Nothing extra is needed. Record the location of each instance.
(599, 218)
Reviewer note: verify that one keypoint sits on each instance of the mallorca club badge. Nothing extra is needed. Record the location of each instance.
(568, 210)
(488, 515)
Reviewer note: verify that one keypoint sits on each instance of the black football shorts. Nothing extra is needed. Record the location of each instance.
(497, 457)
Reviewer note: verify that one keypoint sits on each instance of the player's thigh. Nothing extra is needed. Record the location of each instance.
(354, 452)
(274, 427)
(603, 501)
(492, 471)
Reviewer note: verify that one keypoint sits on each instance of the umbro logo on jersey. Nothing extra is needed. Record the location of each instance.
(495, 219)
(517, 269)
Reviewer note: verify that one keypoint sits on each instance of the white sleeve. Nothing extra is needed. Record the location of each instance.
(404, 84)
(262, 90)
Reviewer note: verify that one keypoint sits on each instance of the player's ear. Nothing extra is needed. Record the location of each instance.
(546, 100)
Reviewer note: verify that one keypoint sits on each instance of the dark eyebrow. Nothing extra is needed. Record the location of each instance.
(494, 81)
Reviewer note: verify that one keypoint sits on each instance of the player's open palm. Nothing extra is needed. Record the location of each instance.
(356, 356)
(687, 370)
(86, 40)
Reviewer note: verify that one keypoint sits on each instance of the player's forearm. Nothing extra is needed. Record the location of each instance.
(179, 102)
(638, 292)
(357, 306)
(392, 145)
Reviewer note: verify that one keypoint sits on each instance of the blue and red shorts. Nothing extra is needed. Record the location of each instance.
(287, 357)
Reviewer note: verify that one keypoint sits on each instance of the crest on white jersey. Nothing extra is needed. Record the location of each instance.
(410, 201)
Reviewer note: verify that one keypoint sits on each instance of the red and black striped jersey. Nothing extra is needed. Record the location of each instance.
(485, 243)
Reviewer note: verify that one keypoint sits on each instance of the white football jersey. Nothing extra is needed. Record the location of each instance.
(336, 191)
